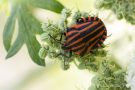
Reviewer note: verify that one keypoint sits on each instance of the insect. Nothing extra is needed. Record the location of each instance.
(81, 38)
(89, 33)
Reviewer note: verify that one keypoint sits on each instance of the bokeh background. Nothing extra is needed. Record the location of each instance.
(21, 73)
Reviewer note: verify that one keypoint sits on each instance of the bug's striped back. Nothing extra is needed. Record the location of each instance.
(86, 35)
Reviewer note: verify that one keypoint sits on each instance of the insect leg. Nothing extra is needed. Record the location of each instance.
(54, 39)
(67, 60)
(61, 36)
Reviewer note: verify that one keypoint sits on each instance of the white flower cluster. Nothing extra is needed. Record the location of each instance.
(51, 35)
(64, 15)
(130, 77)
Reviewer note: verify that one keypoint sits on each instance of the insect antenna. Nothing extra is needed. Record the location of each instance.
(58, 41)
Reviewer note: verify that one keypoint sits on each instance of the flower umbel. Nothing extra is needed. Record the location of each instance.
(109, 78)
(53, 39)
(109, 75)
(130, 77)
(122, 8)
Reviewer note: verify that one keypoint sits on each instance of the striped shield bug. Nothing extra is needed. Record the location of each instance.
(87, 34)
(82, 38)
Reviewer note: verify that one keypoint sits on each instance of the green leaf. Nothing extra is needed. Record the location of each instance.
(52, 5)
(28, 27)
(33, 45)
(35, 25)
(16, 46)
(9, 29)
(33, 48)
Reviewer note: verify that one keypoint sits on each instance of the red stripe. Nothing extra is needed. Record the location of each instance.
(94, 18)
(93, 31)
(93, 24)
(104, 36)
(80, 51)
(75, 42)
(90, 47)
(82, 37)
(78, 46)
(84, 19)
(89, 18)
(80, 25)
(96, 36)
(71, 32)
(68, 40)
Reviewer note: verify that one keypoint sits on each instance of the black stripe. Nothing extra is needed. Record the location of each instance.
(97, 18)
(67, 37)
(66, 46)
(102, 39)
(83, 52)
(93, 35)
(86, 32)
(93, 41)
(75, 50)
(90, 43)
(73, 28)
(79, 43)
(105, 32)
(92, 18)
(95, 46)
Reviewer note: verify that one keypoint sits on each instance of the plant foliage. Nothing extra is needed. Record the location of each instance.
(122, 8)
(52, 47)
(109, 77)
(28, 26)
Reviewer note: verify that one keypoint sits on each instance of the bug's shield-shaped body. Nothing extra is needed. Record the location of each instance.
(84, 36)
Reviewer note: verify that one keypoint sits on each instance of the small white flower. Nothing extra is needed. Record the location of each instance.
(44, 36)
(46, 25)
(42, 53)
(66, 13)
(63, 22)
(130, 77)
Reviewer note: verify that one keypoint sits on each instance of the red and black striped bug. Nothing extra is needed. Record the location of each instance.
(81, 38)
(89, 33)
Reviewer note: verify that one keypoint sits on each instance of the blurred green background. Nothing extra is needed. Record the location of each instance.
(20, 73)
